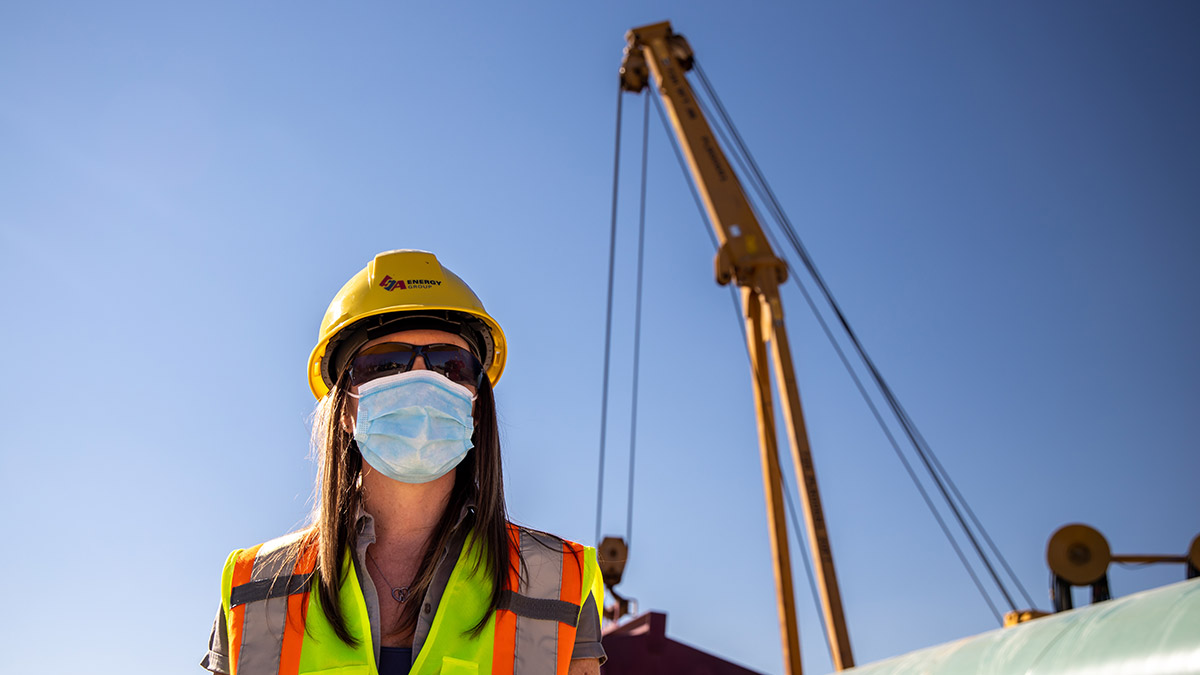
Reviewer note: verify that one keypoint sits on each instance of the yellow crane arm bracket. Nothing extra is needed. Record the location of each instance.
(743, 247)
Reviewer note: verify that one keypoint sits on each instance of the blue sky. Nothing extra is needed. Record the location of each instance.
(1003, 197)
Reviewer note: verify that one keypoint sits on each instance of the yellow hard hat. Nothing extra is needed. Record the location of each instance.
(402, 290)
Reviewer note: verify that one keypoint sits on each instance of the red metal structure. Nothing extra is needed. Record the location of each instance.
(641, 647)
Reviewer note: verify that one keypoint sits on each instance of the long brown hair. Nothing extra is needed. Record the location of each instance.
(479, 480)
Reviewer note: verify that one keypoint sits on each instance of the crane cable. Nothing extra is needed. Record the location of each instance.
(612, 256)
(908, 468)
(637, 325)
(929, 503)
(916, 439)
(637, 331)
(936, 470)
(796, 524)
(923, 451)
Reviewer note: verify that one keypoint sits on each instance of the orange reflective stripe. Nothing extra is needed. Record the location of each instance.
(572, 588)
(505, 643)
(504, 648)
(242, 569)
(293, 632)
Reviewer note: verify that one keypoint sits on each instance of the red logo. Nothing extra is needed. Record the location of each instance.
(390, 283)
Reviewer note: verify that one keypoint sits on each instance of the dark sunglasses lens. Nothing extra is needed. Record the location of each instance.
(456, 363)
(380, 362)
(452, 362)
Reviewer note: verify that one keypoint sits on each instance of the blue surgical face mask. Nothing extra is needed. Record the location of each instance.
(414, 427)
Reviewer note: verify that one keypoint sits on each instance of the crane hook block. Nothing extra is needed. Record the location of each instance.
(611, 554)
(634, 71)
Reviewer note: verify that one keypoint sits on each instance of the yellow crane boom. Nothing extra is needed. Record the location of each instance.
(745, 256)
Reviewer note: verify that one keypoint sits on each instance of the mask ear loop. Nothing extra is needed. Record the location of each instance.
(346, 423)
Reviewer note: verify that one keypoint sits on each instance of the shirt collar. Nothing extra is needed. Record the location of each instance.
(365, 522)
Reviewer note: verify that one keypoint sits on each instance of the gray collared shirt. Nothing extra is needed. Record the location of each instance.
(587, 634)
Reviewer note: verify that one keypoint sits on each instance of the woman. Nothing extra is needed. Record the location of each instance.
(410, 564)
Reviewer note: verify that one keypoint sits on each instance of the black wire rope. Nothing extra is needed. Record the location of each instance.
(897, 410)
(929, 503)
(768, 197)
(912, 474)
(612, 256)
(971, 513)
(923, 452)
(637, 325)
(887, 432)
(796, 524)
(741, 323)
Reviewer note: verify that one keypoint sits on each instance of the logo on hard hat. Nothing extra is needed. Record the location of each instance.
(404, 284)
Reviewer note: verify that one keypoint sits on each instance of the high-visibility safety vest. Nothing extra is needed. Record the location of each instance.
(276, 624)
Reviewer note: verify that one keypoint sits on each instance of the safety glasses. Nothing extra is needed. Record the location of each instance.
(388, 358)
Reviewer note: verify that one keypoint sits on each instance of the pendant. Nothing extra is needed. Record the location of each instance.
(400, 594)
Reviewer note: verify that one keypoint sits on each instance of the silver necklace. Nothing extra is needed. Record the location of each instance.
(399, 593)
